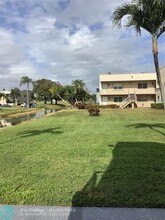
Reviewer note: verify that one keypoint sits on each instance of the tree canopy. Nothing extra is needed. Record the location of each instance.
(149, 15)
(42, 88)
(15, 93)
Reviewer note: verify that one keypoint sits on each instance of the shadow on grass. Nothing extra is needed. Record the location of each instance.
(154, 127)
(135, 177)
(31, 133)
(39, 132)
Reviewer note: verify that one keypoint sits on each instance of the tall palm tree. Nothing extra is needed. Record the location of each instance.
(15, 93)
(26, 80)
(149, 15)
(54, 92)
(79, 86)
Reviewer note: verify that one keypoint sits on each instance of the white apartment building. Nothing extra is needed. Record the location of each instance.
(130, 90)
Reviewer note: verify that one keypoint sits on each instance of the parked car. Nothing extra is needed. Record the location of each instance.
(32, 105)
(23, 105)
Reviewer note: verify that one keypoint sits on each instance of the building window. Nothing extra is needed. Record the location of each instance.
(118, 86)
(142, 85)
(118, 99)
(105, 85)
(142, 98)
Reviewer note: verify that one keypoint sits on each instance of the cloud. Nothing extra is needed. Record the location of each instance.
(65, 40)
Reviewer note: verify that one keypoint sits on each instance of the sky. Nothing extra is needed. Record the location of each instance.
(64, 40)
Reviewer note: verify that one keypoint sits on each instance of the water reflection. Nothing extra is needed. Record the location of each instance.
(8, 121)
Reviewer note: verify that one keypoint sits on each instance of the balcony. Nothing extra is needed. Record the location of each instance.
(127, 91)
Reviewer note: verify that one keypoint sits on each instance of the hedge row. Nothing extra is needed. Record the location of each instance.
(87, 106)
(157, 105)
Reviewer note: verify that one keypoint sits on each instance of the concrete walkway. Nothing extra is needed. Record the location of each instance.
(75, 213)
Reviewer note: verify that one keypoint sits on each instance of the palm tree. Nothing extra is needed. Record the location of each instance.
(54, 92)
(79, 86)
(26, 80)
(149, 15)
(15, 93)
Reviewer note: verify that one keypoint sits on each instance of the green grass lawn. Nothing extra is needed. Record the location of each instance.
(6, 111)
(70, 158)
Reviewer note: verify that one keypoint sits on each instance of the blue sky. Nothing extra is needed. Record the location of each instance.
(64, 40)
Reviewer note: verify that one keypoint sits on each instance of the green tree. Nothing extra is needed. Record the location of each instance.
(41, 88)
(67, 92)
(79, 87)
(54, 90)
(149, 15)
(26, 80)
(15, 93)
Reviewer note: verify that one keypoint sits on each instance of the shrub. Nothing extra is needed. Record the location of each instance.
(113, 106)
(102, 106)
(157, 105)
(94, 111)
(80, 106)
(109, 106)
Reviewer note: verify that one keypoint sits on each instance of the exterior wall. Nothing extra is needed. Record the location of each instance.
(162, 72)
(23, 97)
(127, 77)
(128, 84)
(108, 100)
(3, 99)
(97, 95)
(150, 99)
(128, 88)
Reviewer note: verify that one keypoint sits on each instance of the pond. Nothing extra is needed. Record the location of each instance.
(8, 121)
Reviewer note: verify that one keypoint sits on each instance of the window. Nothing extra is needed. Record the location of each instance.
(118, 99)
(118, 86)
(105, 85)
(142, 98)
(142, 85)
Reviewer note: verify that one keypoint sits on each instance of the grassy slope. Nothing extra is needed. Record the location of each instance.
(7, 111)
(69, 158)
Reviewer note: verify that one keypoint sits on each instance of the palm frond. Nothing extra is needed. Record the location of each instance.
(146, 14)
(120, 12)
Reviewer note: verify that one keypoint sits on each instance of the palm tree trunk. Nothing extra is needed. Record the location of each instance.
(27, 95)
(45, 100)
(157, 69)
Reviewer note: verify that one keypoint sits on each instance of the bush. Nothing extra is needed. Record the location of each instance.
(113, 106)
(109, 106)
(94, 111)
(157, 105)
(80, 106)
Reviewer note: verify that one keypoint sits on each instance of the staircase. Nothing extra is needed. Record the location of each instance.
(130, 99)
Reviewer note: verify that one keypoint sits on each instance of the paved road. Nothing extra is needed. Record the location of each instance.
(75, 213)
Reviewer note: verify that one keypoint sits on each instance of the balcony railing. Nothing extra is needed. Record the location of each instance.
(127, 91)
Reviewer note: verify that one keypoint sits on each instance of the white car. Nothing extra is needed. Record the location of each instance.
(23, 105)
